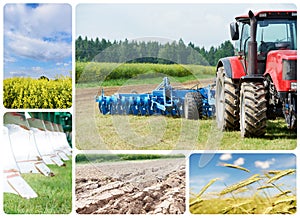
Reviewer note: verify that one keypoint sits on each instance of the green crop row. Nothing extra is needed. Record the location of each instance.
(87, 72)
(37, 93)
(98, 158)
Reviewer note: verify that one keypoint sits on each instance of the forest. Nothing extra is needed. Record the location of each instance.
(103, 50)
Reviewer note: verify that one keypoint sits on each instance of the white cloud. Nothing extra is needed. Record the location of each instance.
(240, 161)
(62, 64)
(46, 20)
(37, 49)
(264, 164)
(36, 69)
(42, 33)
(8, 59)
(225, 157)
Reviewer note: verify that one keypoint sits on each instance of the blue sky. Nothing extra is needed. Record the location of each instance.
(37, 40)
(203, 24)
(204, 167)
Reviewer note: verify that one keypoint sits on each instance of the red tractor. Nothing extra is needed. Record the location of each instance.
(260, 82)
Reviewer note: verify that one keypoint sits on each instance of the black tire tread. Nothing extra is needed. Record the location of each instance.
(231, 95)
(255, 109)
(193, 106)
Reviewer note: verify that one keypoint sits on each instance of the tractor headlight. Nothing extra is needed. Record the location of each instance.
(293, 86)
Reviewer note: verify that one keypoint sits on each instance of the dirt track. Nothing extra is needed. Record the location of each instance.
(87, 93)
(135, 187)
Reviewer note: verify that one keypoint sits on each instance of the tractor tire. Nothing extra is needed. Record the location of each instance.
(193, 106)
(253, 109)
(227, 102)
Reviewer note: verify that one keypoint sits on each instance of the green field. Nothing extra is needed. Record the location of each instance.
(96, 131)
(108, 132)
(54, 193)
(99, 158)
(92, 74)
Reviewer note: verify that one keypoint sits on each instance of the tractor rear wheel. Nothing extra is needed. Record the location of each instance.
(227, 102)
(253, 107)
(193, 106)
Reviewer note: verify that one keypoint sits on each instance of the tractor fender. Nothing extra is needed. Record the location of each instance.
(233, 67)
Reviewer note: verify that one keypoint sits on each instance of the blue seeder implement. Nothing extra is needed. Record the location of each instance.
(191, 103)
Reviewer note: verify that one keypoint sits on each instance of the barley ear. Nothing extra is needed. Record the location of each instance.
(241, 184)
(281, 174)
(206, 187)
(235, 167)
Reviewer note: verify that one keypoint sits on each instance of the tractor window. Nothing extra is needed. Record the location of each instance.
(245, 35)
(276, 34)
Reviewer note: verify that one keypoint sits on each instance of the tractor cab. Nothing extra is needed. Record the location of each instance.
(275, 30)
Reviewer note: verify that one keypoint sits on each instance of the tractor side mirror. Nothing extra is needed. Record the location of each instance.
(234, 31)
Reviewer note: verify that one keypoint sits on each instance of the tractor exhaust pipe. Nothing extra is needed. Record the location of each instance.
(252, 46)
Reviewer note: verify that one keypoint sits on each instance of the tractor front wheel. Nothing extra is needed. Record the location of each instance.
(253, 109)
(227, 102)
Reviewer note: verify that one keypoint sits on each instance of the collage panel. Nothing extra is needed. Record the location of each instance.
(37, 169)
(243, 183)
(154, 93)
(152, 83)
(37, 56)
(130, 183)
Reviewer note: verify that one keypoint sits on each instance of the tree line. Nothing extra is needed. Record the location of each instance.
(149, 52)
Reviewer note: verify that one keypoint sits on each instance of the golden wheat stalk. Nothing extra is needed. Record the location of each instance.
(235, 167)
(274, 171)
(234, 207)
(265, 187)
(281, 174)
(192, 194)
(241, 184)
(226, 210)
(241, 190)
(283, 193)
(285, 200)
(197, 201)
(268, 210)
(206, 187)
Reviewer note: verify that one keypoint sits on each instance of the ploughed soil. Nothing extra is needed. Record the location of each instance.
(131, 187)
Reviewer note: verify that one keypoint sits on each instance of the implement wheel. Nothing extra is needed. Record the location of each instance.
(193, 106)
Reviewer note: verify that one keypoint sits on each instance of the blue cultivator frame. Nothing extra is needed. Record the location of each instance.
(164, 100)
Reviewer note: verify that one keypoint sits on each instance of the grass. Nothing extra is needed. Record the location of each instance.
(94, 74)
(108, 132)
(99, 132)
(54, 193)
(141, 81)
(99, 158)
(257, 201)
